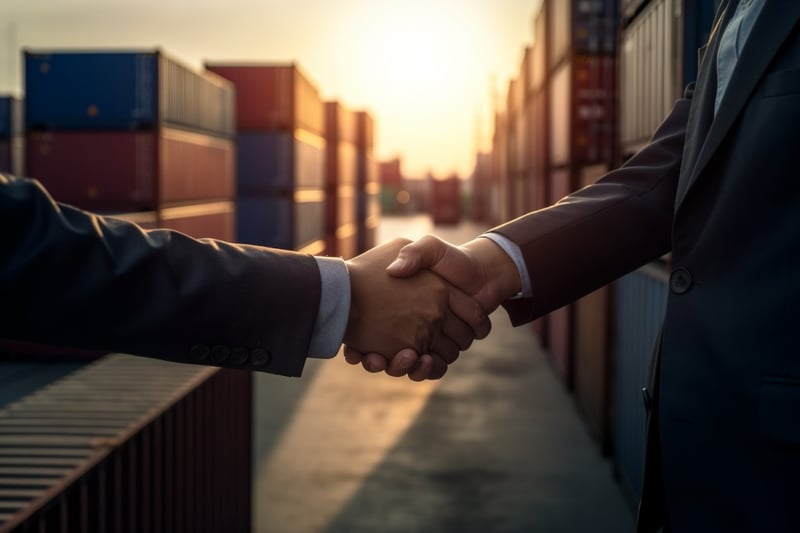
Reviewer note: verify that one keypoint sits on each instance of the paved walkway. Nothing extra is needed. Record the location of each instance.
(497, 445)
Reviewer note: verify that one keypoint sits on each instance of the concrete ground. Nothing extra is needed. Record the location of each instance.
(497, 445)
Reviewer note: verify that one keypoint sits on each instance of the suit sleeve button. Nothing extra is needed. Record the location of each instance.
(238, 356)
(259, 357)
(199, 352)
(220, 354)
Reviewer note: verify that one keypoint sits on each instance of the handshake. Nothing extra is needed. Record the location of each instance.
(415, 306)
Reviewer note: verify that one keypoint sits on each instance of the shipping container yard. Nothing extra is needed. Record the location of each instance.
(255, 152)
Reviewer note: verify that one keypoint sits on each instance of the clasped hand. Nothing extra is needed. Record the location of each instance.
(415, 306)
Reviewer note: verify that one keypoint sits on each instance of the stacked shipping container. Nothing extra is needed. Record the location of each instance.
(368, 210)
(580, 76)
(341, 229)
(121, 132)
(11, 136)
(281, 156)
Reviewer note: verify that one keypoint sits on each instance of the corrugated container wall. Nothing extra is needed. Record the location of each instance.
(123, 91)
(368, 187)
(12, 141)
(658, 59)
(281, 156)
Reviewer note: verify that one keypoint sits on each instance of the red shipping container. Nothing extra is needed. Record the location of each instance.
(214, 220)
(446, 200)
(273, 97)
(132, 171)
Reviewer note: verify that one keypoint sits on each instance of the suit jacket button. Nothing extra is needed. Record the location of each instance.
(238, 356)
(259, 357)
(680, 281)
(199, 352)
(648, 401)
(220, 354)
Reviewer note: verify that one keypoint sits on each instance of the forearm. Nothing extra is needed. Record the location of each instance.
(74, 279)
(603, 231)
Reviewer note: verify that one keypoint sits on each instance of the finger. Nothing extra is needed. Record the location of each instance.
(418, 255)
(446, 348)
(469, 311)
(374, 362)
(458, 331)
(423, 369)
(352, 356)
(402, 363)
(439, 369)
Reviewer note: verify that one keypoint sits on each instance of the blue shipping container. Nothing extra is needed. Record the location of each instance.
(281, 221)
(270, 162)
(123, 90)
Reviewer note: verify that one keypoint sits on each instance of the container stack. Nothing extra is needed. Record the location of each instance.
(12, 142)
(281, 156)
(481, 187)
(341, 229)
(368, 188)
(499, 191)
(446, 200)
(133, 132)
(580, 74)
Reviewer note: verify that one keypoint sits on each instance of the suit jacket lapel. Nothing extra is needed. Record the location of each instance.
(774, 25)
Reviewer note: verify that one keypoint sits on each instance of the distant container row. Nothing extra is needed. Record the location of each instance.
(239, 152)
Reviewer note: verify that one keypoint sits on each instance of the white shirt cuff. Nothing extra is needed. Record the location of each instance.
(334, 308)
(513, 251)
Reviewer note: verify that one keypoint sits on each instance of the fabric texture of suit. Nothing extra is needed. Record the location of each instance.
(67, 276)
(722, 193)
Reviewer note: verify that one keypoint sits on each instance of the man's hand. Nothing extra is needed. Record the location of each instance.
(480, 267)
(422, 312)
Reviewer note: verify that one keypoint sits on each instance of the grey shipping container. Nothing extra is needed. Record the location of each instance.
(658, 59)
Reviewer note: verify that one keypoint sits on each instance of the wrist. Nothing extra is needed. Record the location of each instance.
(500, 275)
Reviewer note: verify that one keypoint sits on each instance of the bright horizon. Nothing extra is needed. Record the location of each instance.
(423, 69)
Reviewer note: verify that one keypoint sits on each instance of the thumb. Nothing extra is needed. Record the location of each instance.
(419, 255)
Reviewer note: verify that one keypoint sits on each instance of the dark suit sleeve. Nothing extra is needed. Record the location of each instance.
(603, 231)
(70, 278)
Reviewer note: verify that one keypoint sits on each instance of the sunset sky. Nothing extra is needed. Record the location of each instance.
(424, 68)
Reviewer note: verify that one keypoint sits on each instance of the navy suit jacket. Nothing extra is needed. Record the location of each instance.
(723, 195)
(70, 278)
